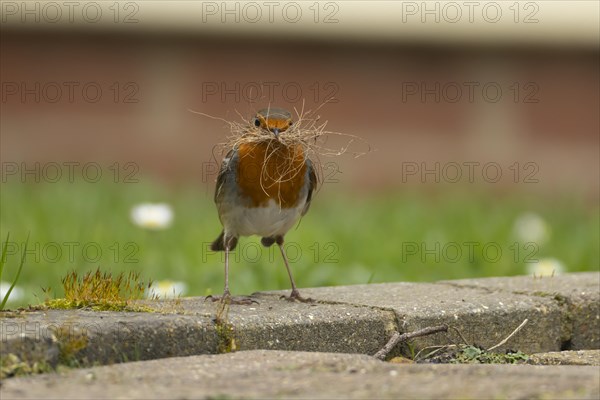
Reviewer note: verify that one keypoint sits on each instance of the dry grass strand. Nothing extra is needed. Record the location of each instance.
(307, 133)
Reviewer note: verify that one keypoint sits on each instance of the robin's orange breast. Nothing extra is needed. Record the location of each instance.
(270, 170)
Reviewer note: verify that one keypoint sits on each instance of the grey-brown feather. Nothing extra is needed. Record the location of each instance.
(226, 173)
(312, 177)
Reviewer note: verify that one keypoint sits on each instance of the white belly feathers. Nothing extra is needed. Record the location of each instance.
(262, 221)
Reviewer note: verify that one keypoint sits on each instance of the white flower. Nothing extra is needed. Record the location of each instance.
(152, 216)
(17, 293)
(546, 267)
(530, 227)
(167, 289)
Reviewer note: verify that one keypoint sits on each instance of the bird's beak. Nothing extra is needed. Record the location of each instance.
(275, 132)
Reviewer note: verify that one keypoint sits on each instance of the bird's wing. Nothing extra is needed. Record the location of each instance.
(312, 184)
(224, 174)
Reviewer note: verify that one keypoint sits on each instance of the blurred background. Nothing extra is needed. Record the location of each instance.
(481, 118)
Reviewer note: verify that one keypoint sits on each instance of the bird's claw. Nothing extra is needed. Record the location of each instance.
(295, 296)
(227, 298)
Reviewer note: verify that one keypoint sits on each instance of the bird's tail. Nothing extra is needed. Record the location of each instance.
(219, 243)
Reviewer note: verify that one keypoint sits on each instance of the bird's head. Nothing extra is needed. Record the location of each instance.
(275, 120)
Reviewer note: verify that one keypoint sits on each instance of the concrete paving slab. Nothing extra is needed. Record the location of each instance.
(577, 293)
(300, 375)
(572, 284)
(562, 313)
(104, 337)
(188, 326)
(579, 357)
(483, 317)
(277, 324)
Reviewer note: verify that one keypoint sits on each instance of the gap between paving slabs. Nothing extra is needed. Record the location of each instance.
(562, 312)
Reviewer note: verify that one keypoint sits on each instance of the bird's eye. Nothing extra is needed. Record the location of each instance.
(256, 122)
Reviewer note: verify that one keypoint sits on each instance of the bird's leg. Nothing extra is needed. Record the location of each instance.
(226, 292)
(228, 243)
(295, 295)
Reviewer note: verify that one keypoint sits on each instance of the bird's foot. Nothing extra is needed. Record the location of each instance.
(229, 299)
(295, 296)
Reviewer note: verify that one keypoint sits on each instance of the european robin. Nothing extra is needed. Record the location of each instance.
(263, 188)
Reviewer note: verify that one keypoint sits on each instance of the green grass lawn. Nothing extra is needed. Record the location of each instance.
(412, 234)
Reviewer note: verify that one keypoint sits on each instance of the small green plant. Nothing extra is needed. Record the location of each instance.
(466, 353)
(11, 365)
(225, 330)
(70, 343)
(476, 355)
(470, 354)
(3, 262)
(101, 291)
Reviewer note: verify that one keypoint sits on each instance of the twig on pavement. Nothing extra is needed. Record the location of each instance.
(398, 338)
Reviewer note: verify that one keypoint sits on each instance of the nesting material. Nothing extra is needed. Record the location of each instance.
(306, 138)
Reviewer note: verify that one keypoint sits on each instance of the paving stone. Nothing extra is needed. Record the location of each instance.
(264, 374)
(579, 357)
(578, 294)
(562, 313)
(188, 326)
(483, 317)
(104, 337)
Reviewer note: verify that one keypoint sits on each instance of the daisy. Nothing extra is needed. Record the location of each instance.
(152, 216)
